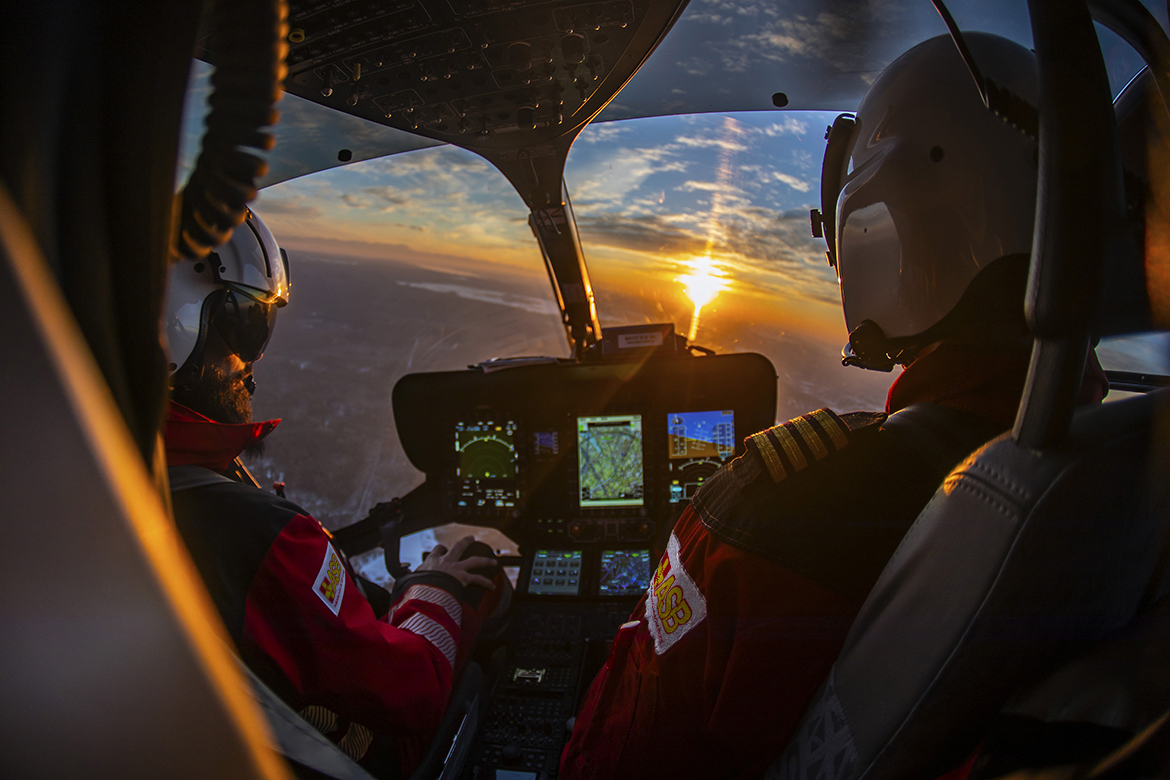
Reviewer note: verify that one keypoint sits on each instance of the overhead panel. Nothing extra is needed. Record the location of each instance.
(736, 56)
(482, 75)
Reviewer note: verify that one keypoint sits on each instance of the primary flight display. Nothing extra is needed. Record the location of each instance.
(609, 460)
(698, 444)
(487, 463)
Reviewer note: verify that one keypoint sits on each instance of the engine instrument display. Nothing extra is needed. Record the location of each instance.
(545, 444)
(555, 573)
(487, 463)
(609, 460)
(698, 444)
(624, 572)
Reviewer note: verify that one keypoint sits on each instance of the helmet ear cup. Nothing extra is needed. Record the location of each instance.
(190, 370)
(991, 312)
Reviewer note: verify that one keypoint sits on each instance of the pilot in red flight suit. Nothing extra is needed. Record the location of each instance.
(371, 670)
(929, 230)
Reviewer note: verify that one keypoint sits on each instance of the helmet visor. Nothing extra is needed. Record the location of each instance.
(244, 321)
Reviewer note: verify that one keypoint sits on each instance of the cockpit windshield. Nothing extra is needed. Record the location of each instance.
(424, 261)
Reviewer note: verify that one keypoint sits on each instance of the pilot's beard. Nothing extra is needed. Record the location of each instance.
(215, 393)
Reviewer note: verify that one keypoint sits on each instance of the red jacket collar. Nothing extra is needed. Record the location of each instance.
(194, 439)
(983, 380)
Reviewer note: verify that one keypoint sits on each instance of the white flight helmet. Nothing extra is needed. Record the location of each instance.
(938, 188)
(236, 290)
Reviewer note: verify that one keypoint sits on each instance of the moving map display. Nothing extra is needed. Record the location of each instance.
(555, 573)
(487, 464)
(609, 460)
(698, 444)
(624, 572)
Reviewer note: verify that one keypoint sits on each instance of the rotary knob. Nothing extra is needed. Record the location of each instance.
(511, 753)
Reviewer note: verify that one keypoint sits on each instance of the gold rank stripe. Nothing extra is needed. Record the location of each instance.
(829, 424)
(791, 448)
(788, 448)
(811, 437)
(771, 459)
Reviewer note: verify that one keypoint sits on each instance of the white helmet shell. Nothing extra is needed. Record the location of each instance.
(251, 262)
(939, 186)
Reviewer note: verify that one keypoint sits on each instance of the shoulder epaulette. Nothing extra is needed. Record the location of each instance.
(790, 447)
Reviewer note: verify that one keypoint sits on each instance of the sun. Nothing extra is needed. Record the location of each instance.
(702, 285)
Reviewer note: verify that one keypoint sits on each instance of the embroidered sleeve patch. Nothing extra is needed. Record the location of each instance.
(330, 584)
(674, 604)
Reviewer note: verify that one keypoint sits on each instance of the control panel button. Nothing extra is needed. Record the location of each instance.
(555, 573)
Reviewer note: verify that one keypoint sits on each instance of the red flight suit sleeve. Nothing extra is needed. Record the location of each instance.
(711, 680)
(306, 614)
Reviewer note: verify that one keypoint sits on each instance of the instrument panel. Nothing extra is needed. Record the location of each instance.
(605, 573)
(578, 453)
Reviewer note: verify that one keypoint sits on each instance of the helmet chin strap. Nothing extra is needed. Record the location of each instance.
(250, 384)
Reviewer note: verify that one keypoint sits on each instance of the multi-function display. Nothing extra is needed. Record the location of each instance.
(697, 445)
(609, 460)
(487, 463)
(555, 573)
(624, 572)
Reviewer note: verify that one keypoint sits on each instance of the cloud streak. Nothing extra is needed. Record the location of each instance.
(524, 302)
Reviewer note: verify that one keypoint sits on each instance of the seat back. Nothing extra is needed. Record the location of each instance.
(1019, 554)
(312, 755)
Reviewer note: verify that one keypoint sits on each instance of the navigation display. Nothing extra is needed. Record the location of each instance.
(624, 572)
(555, 573)
(698, 444)
(487, 463)
(609, 460)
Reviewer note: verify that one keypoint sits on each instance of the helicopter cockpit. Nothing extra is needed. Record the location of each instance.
(423, 180)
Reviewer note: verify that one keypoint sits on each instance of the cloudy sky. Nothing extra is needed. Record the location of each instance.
(652, 197)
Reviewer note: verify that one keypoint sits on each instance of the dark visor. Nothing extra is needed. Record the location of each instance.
(244, 322)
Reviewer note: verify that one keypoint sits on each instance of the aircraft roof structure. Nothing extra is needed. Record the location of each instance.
(720, 56)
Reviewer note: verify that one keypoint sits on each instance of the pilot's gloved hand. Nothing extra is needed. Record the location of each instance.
(472, 563)
(486, 615)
